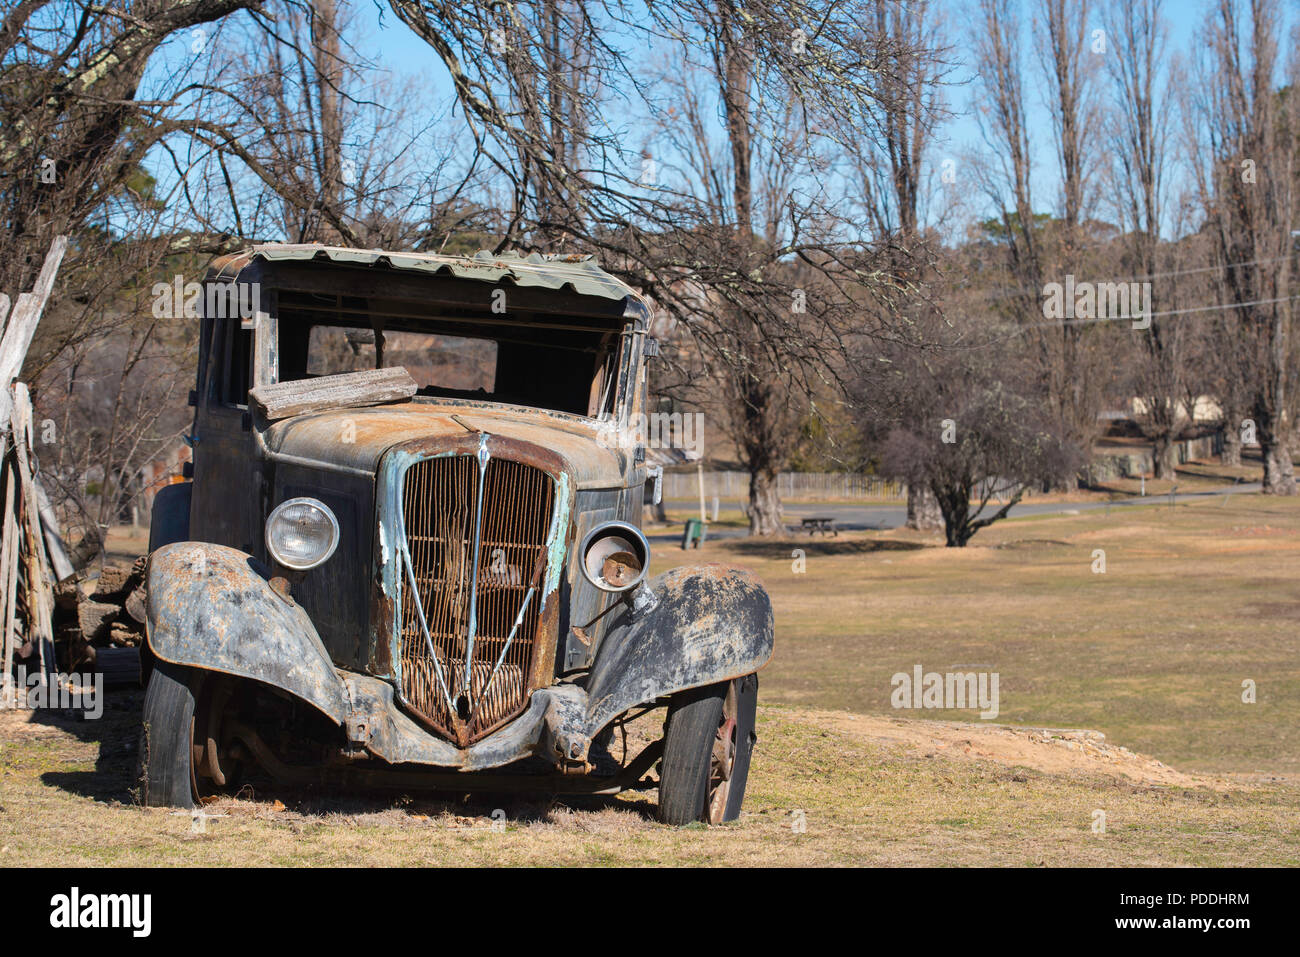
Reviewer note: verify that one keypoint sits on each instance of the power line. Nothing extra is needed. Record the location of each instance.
(1008, 294)
(1159, 315)
(1188, 272)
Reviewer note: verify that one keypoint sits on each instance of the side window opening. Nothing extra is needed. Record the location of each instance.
(236, 364)
(604, 383)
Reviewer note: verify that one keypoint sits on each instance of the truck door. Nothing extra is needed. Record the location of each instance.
(226, 505)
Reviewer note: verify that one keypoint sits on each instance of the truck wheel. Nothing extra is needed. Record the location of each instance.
(708, 740)
(183, 754)
(165, 772)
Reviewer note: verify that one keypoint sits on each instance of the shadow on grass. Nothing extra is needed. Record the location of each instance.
(117, 732)
(767, 548)
(508, 808)
(113, 781)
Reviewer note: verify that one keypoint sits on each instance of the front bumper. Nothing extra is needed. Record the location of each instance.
(552, 727)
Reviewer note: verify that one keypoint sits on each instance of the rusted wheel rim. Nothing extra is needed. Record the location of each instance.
(206, 774)
(723, 759)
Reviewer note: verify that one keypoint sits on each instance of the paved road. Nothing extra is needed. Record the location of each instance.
(880, 517)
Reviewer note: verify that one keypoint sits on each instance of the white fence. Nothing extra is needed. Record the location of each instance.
(791, 486)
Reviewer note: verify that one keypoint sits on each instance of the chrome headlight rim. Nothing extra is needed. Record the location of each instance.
(320, 507)
(601, 531)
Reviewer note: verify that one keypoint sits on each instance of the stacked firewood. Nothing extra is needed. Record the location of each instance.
(100, 612)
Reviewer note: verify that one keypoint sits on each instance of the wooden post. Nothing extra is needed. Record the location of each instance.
(25, 535)
(60, 563)
(699, 471)
(40, 595)
(27, 313)
(8, 573)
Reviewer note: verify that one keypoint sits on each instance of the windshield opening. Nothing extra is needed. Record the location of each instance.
(567, 364)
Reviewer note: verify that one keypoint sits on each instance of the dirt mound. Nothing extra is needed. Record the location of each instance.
(1050, 750)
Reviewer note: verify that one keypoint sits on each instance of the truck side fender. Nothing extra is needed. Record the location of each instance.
(213, 607)
(704, 624)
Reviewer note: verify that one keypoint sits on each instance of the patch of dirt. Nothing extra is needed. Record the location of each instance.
(1253, 531)
(17, 724)
(1049, 750)
(1274, 609)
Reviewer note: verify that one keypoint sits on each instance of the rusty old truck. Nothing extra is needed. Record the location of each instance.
(410, 551)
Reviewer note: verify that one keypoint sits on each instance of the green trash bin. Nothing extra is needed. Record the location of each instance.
(693, 534)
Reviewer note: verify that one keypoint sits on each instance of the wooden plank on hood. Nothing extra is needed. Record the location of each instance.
(280, 400)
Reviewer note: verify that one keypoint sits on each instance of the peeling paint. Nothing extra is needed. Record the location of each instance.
(556, 542)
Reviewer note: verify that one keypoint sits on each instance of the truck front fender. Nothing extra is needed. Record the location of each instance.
(213, 608)
(704, 624)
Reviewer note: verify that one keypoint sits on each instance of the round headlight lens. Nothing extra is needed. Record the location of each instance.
(301, 533)
(615, 556)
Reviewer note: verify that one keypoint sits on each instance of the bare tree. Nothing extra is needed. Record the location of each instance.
(111, 397)
(889, 165)
(746, 178)
(1140, 131)
(950, 412)
(1242, 138)
(1072, 368)
(307, 140)
(71, 130)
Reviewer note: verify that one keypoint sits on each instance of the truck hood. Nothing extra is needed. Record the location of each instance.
(358, 438)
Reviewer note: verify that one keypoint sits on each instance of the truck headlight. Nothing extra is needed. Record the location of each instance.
(615, 556)
(301, 533)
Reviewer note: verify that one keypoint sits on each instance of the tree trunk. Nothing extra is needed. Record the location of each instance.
(1231, 454)
(954, 505)
(764, 503)
(1162, 457)
(1279, 475)
(923, 513)
(328, 63)
(1067, 483)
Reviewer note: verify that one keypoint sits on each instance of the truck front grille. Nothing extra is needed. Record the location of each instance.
(475, 552)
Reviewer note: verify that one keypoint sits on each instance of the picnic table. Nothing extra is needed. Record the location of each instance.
(819, 523)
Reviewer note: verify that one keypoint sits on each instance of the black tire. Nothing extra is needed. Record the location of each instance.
(689, 789)
(165, 772)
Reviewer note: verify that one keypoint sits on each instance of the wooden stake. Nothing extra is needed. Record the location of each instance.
(22, 325)
(40, 598)
(8, 572)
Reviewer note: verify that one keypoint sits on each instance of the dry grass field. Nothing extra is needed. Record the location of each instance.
(1151, 654)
